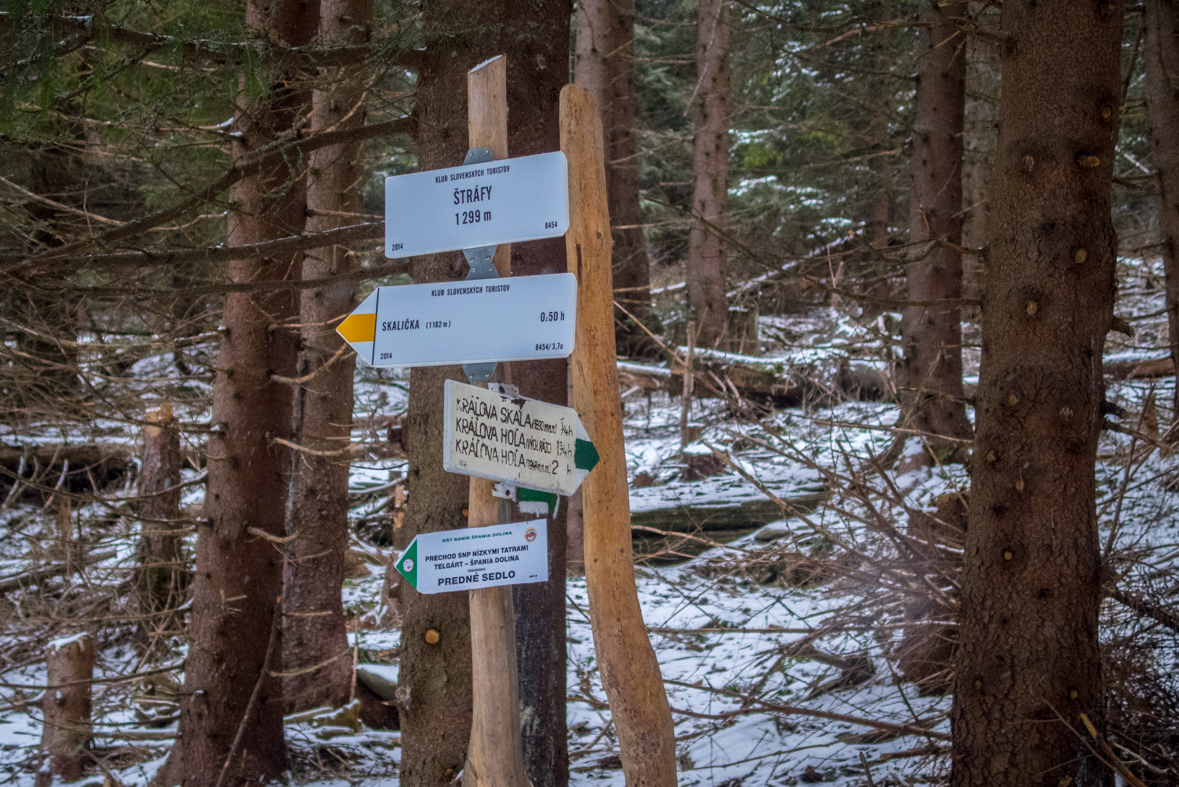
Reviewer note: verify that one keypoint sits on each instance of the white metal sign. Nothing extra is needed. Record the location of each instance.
(507, 201)
(522, 442)
(513, 319)
(477, 557)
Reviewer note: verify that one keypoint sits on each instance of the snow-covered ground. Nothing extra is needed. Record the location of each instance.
(751, 705)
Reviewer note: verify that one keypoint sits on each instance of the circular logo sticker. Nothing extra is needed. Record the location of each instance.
(407, 565)
(530, 535)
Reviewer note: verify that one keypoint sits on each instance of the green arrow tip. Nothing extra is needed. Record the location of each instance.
(408, 565)
(585, 456)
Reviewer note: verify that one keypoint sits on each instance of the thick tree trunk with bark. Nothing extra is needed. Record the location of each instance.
(65, 738)
(232, 715)
(979, 133)
(315, 642)
(931, 372)
(435, 690)
(1029, 665)
(708, 250)
(161, 578)
(41, 378)
(1162, 97)
(878, 95)
(605, 67)
(534, 91)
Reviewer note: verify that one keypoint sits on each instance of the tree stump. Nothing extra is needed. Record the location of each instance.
(929, 637)
(65, 738)
(160, 579)
(743, 337)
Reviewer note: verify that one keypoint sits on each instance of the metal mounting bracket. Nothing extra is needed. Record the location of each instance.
(480, 261)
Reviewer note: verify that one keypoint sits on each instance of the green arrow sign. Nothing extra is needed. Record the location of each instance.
(477, 557)
(521, 442)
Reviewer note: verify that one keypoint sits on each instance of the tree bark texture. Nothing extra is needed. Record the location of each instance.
(931, 372)
(980, 131)
(65, 738)
(1031, 584)
(627, 663)
(161, 578)
(708, 250)
(238, 581)
(880, 101)
(1162, 96)
(42, 375)
(435, 690)
(878, 94)
(534, 94)
(314, 633)
(605, 66)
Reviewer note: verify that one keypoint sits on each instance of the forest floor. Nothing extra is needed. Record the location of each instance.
(779, 668)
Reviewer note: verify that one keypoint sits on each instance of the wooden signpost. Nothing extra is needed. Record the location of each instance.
(528, 446)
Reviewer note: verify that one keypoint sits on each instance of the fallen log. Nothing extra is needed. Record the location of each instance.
(73, 468)
(1140, 370)
(760, 381)
(638, 375)
(78, 455)
(755, 379)
(30, 578)
(765, 382)
(746, 515)
(376, 689)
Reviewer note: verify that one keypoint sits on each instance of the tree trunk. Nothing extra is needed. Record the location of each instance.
(434, 690)
(65, 737)
(161, 577)
(708, 250)
(42, 373)
(224, 722)
(435, 686)
(932, 398)
(534, 90)
(878, 97)
(1028, 664)
(1162, 91)
(605, 67)
(980, 129)
(314, 633)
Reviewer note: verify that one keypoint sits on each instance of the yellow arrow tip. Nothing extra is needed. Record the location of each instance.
(359, 328)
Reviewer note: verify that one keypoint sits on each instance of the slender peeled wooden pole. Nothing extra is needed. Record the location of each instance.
(630, 672)
(495, 757)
